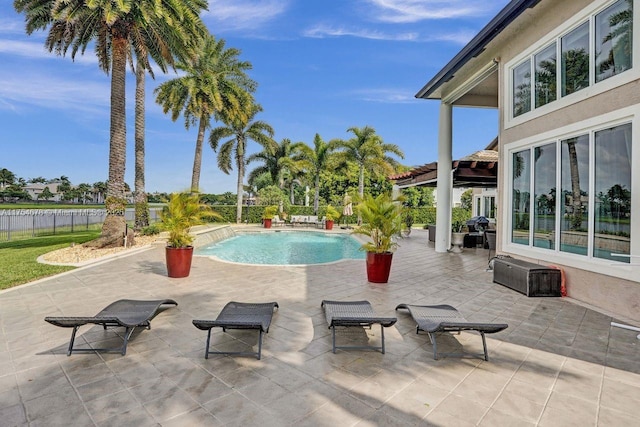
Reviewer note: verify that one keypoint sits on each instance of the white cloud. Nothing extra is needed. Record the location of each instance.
(11, 26)
(36, 50)
(405, 11)
(386, 96)
(322, 31)
(42, 90)
(243, 14)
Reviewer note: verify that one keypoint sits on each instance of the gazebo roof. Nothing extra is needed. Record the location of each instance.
(479, 169)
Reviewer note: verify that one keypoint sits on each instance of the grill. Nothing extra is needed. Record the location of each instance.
(477, 224)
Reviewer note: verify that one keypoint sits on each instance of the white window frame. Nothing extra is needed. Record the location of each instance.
(590, 126)
(587, 14)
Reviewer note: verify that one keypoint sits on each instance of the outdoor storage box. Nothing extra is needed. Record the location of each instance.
(531, 279)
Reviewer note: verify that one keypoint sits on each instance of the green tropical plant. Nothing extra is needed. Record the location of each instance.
(215, 85)
(239, 133)
(270, 212)
(457, 226)
(183, 211)
(120, 31)
(332, 213)
(315, 160)
(382, 222)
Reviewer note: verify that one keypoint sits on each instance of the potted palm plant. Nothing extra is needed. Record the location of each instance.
(267, 216)
(457, 236)
(183, 211)
(382, 223)
(331, 215)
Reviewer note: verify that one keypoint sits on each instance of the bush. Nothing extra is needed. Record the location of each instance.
(150, 230)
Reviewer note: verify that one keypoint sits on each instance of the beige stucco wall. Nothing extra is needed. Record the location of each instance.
(611, 294)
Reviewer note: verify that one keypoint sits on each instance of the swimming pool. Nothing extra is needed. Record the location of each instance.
(285, 248)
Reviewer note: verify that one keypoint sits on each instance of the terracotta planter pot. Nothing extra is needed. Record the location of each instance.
(179, 261)
(266, 222)
(328, 224)
(379, 267)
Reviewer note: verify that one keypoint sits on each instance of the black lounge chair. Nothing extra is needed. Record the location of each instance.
(240, 315)
(126, 313)
(445, 318)
(354, 313)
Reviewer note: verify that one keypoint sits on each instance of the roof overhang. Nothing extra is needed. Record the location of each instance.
(466, 173)
(474, 48)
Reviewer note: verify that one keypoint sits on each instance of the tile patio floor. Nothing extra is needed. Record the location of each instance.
(558, 363)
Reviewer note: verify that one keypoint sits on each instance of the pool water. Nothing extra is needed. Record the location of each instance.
(285, 248)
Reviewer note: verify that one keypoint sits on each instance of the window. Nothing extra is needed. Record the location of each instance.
(522, 88)
(613, 39)
(520, 207)
(575, 195)
(544, 185)
(546, 76)
(613, 193)
(597, 224)
(490, 207)
(575, 60)
(599, 48)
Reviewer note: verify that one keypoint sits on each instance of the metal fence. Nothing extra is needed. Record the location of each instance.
(24, 223)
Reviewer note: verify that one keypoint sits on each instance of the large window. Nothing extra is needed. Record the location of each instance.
(575, 60)
(546, 76)
(521, 195)
(575, 195)
(612, 192)
(613, 36)
(522, 89)
(595, 50)
(599, 160)
(544, 187)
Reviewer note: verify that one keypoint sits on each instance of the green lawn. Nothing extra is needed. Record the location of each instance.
(18, 258)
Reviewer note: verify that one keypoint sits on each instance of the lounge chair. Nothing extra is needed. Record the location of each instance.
(126, 313)
(240, 315)
(354, 313)
(277, 221)
(445, 318)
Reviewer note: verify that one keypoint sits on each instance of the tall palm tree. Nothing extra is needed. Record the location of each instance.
(369, 152)
(316, 160)
(139, 193)
(119, 29)
(214, 83)
(6, 177)
(239, 132)
(277, 161)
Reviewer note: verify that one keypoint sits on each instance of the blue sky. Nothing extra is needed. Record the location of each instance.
(322, 66)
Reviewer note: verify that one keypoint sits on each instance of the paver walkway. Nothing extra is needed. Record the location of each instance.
(557, 364)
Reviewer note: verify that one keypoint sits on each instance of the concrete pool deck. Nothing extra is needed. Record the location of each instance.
(558, 363)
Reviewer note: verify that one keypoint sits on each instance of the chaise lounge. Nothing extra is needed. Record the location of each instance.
(240, 315)
(434, 319)
(354, 313)
(126, 313)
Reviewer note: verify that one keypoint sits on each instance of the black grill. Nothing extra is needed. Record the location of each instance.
(477, 224)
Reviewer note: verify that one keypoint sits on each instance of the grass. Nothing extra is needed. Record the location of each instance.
(18, 259)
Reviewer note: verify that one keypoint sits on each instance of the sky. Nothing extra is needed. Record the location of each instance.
(322, 66)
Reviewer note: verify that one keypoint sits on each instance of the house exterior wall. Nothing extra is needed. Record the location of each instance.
(614, 288)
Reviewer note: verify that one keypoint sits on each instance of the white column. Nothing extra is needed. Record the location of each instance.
(445, 181)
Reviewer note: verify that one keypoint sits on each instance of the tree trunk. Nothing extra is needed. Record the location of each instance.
(361, 190)
(316, 194)
(197, 161)
(576, 221)
(239, 187)
(140, 198)
(114, 227)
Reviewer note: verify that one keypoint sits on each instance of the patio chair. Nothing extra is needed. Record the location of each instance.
(240, 315)
(126, 313)
(354, 313)
(276, 221)
(434, 319)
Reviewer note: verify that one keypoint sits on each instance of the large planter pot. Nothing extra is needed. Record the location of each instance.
(457, 241)
(266, 222)
(379, 267)
(328, 224)
(179, 261)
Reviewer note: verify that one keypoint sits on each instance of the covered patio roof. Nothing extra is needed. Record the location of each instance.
(480, 169)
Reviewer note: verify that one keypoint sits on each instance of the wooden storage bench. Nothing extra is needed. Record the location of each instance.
(531, 279)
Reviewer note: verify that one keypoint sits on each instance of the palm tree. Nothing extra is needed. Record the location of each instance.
(6, 177)
(120, 30)
(239, 132)
(277, 162)
(139, 194)
(369, 152)
(315, 160)
(214, 84)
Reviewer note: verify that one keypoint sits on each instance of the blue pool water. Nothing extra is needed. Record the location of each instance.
(285, 248)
